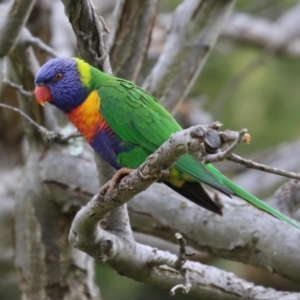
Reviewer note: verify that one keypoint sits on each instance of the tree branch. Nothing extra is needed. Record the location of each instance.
(11, 84)
(14, 15)
(287, 198)
(282, 157)
(152, 266)
(243, 234)
(85, 233)
(130, 36)
(279, 36)
(45, 133)
(195, 28)
(83, 16)
(23, 66)
(161, 212)
(247, 163)
(90, 30)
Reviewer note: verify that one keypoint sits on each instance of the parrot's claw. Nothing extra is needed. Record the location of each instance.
(111, 185)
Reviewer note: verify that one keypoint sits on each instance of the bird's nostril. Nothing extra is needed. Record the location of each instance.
(40, 84)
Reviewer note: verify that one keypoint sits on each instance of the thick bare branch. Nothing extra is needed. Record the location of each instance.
(193, 140)
(13, 18)
(152, 266)
(86, 17)
(131, 35)
(90, 30)
(195, 27)
(38, 43)
(287, 198)
(62, 273)
(242, 233)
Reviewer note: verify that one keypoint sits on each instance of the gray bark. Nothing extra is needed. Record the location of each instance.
(195, 28)
(14, 15)
(130, 37)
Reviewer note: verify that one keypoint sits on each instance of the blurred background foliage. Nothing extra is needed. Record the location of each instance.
(266, 102)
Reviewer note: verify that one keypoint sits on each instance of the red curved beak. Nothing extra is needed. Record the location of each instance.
(42, 94)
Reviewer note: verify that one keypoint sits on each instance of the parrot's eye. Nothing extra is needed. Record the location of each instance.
(58, 76)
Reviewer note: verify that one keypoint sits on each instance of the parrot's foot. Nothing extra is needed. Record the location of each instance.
(111, 185)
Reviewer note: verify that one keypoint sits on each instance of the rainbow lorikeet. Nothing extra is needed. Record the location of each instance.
(124, 124)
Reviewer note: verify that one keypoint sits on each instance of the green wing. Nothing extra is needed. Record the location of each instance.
(135, 116)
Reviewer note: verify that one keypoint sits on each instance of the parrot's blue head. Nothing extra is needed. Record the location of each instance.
(60, 82)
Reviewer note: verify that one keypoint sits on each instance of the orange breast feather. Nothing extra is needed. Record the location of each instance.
(87, 117)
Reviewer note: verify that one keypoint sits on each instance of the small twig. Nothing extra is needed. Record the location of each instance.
(65, 137)
(179, 265)
(37, 42)
(17, 87)
(221, 155)
(46, 134)
(247, 163)
(185, 289)
(11, 84)
(183, 255)
(31, 121)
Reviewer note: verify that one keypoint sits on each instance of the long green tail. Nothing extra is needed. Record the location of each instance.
(238, 191)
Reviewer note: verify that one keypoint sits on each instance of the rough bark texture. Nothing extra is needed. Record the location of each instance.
(160, 212)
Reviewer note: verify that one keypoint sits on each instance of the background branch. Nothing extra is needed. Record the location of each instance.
(281, 157)
(242, 234)
(160, 212)
(91, 43)
(130, 38)
(278, 36)
(195, 28)
(14, 15)
(97, 54)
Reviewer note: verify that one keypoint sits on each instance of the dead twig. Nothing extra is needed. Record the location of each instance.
(38, 43)
(179, 265)
(247, 163)
(46, 134)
